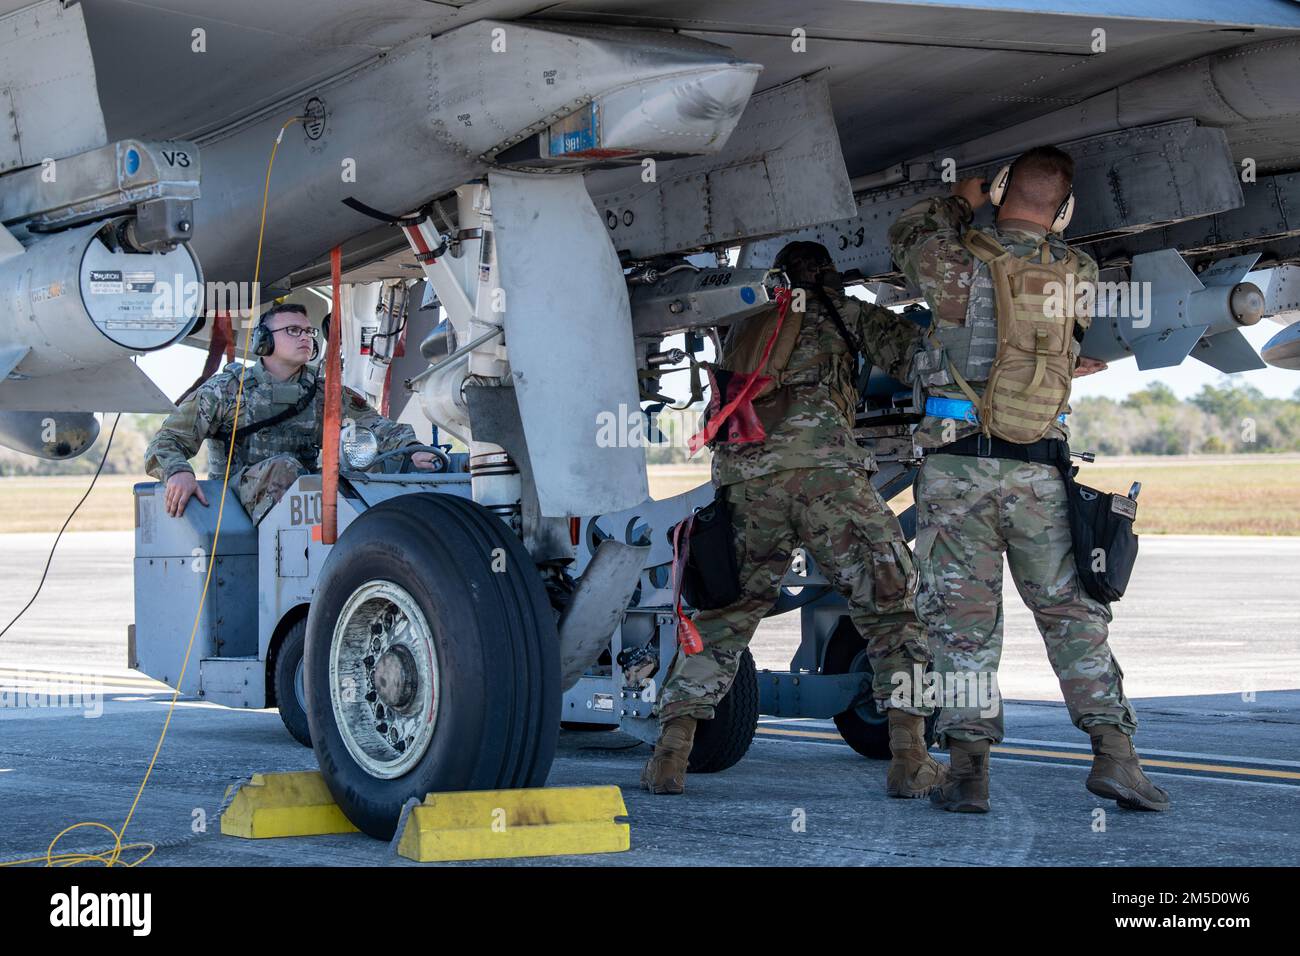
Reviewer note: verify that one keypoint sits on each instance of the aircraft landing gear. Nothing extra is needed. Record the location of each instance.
(722, 741)
(432, 660)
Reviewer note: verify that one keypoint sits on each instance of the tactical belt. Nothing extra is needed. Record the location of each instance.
(1047, 451)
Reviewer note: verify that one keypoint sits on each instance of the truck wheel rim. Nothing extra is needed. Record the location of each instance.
(384, 679)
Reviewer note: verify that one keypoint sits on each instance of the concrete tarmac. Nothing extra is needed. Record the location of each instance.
(1209, 637)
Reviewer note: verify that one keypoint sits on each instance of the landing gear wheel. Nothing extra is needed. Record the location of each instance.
(864, 728)
(290, 695)
(722, 741)
(427, 670)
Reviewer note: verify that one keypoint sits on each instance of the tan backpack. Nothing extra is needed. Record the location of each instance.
(1029, 383)
(744, 347)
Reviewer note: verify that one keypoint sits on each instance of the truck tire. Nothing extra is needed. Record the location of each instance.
(290, 695)
(722, 741)
(864, 728)
(432, 659)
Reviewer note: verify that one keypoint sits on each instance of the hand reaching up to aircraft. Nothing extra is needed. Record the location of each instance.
(1087, 366)
(971, 190)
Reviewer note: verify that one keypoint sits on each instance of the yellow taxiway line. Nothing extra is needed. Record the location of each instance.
(56, 677)
(1071, 755)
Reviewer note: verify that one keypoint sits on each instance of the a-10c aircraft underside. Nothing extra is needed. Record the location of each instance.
(546, 170)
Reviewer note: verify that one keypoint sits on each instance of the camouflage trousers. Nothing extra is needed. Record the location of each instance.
(969, 512)
(839, 519)
(261, 485)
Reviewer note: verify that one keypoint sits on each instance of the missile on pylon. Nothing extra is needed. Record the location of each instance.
(1283, 349)
(1167, 312)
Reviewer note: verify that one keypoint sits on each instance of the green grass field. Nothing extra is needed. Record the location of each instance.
(1241, 494)
(42, 503)
(1228, 494)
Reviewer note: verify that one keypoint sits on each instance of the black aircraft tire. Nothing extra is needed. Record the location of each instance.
(493, 642)
(864, 728)
(720, 743)
(288, 667)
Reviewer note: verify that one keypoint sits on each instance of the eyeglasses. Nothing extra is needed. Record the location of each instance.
(297, 331)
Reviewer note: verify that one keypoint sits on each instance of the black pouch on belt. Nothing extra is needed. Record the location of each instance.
(710, 577)
(1101, 528)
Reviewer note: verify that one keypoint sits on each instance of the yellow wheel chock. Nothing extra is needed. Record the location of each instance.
(284, 805)
(501, 824)
(467, 825)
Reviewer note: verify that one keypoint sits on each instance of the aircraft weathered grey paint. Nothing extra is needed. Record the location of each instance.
(1164, 104)
(547, 158)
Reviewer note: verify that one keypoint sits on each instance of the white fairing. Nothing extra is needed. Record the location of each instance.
(569, 337)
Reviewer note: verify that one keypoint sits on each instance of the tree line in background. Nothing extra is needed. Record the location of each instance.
(1228, 418)
(126, 457)
(1231, 417)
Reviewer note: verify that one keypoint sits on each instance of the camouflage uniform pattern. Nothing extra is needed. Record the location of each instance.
(926, 244)
(972, 510)
(261, 485)
(778, 503)
(268, 462)
(809, 421)
(841, 521)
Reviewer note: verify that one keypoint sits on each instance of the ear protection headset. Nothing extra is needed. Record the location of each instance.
(264, 338)
(1002, 182)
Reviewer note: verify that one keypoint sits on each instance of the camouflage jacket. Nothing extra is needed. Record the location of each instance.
(810, 424)
(926, 244)
(209, 412)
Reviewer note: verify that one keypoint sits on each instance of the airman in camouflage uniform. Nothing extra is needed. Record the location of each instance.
(266, 462)
(973, 507)
(808, 483)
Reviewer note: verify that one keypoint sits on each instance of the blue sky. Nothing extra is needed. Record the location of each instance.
(1123, 378)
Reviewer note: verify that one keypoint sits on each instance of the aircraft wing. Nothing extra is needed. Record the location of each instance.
(1165, 106)
(909, 77)
(904, 77)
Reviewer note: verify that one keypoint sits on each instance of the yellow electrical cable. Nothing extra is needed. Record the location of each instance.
(113, 856)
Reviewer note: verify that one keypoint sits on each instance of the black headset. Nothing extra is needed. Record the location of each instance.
(264, 336)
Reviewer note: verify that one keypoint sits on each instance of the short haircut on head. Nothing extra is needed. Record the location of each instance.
(1042, 178)
(281, 307)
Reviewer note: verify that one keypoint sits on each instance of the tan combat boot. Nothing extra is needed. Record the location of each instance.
(967, 787)
(1117, 774)
(912, 771)
(665, 772)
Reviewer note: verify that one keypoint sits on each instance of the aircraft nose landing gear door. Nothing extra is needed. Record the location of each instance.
(569, 334)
